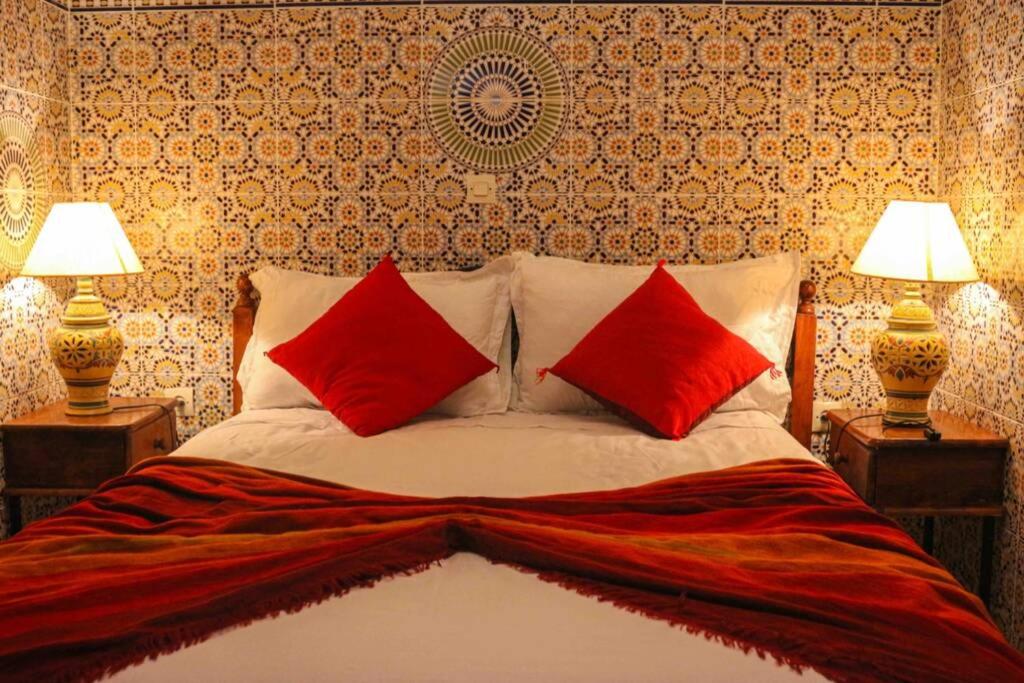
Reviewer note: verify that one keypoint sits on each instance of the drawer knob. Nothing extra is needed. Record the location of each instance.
(158, 444)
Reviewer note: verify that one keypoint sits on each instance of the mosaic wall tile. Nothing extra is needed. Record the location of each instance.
(103, 49)
(35, 172)
(222, 55)
(693, 132)
(631, 51)
(379, 52)
(456, 134)
(980, 154)
(105, 151)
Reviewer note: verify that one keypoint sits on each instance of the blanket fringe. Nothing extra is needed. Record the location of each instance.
(730, 634)
(799, 656)
(107, 663)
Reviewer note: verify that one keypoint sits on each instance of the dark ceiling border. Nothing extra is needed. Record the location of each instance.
(269, 4)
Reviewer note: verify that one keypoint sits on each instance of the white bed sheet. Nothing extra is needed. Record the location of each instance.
(468, 620)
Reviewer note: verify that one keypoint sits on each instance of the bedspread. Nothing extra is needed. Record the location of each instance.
(779, 556)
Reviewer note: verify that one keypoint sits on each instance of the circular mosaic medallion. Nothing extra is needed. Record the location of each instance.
(21, 172)
(497, 99)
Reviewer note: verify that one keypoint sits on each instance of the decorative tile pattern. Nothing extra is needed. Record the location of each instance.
(496, 99)
(981, 153)
(694, 132)
(23, 175)
(35, 172)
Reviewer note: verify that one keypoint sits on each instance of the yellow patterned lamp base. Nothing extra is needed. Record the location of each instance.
(909, 357)
(86, 349)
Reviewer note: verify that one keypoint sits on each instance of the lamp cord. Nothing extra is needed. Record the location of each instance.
(165, 410)
(930, 433)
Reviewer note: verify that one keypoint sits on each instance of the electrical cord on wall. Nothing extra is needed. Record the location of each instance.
(166, 411)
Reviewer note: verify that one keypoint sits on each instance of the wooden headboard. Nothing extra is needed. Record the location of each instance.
(801, 357)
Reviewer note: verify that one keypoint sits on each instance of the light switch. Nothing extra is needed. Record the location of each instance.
(481, 189)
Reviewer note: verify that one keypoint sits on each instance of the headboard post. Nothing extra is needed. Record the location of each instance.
(801, 415)
(243, 317)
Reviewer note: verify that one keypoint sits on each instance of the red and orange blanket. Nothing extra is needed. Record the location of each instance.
(779, 556)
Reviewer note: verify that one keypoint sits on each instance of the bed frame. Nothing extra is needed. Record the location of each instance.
(800, 370)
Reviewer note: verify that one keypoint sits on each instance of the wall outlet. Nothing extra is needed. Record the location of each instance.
(186, 405)
(481, 189)
(819, 425)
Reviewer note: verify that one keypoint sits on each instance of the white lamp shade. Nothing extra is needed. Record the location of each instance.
(917, 241)
(81, 239)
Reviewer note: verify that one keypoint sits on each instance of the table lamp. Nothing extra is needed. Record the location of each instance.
(914, 242)
(82, 240)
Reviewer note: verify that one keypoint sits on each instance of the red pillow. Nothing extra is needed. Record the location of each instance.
(660, 361)
(381, 355)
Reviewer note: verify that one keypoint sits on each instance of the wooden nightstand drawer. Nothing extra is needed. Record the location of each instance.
(855, 465)
(943, 478)
(910, 480)
(61, 458)
(156, 438)
(77, 459)
(900, 471)
(49, 453)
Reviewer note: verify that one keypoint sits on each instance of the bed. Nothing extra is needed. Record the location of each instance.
(464, 618)
(469, 620)
(457, 621)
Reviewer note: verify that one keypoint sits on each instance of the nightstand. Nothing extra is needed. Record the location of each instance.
(898, 471)
(48, 453)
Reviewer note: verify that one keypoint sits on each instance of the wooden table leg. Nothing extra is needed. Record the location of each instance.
(13, 514)
(928, 542)
(988, 534)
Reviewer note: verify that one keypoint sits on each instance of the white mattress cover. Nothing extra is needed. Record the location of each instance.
(468, 620)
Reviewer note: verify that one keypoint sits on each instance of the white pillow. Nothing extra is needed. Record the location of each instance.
(557, 301)
(475, 304)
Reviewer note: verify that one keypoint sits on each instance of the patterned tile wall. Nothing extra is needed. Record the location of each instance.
(226, 138)
(982, 161)
(35, 171)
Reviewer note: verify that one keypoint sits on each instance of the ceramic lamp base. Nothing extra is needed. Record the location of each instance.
(86, 349)
(909, 357)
